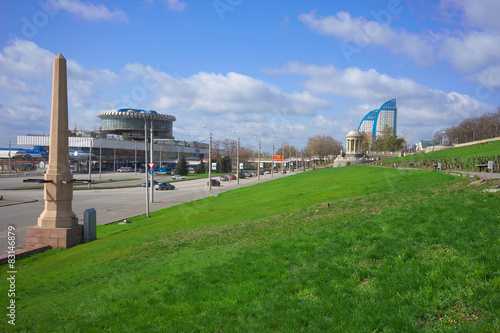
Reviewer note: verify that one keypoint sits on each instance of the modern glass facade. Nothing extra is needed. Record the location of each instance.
(375, 121)
(130, 123)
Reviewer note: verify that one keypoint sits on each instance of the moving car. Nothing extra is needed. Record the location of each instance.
(231, 177)
(164, 186)
(149, 183)
(178, 177)
(223, 178)
(125, 169)
(215, 182)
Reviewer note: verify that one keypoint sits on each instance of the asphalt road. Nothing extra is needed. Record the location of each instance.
(21, 208)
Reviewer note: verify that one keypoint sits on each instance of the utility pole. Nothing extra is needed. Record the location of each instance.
(100, 158)
(151, 159)
(258, 169)
(9, 155)
(90, 163)
(283, 152)
(146, 163)
(272, 164)
(238, 162)
(135, 160)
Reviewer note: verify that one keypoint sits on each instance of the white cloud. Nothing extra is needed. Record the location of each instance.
(25, 87)
(90, 12)
(466, 50)
(25, 59)
(471, 51)
(219, 93)
(358, 33)
(419, 107)
(176, 5)
(479, 13)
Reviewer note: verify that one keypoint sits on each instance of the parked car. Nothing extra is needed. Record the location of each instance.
(141, 170)
(178, 177)
(215, 182)
(254, 174)
(224, 178)
(267, 172)
(242, 175)
(164, 186)
(149, 183)
(248, 174)
(231, 177)
(125, 169)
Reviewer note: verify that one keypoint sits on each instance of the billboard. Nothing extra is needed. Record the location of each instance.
(278, 158)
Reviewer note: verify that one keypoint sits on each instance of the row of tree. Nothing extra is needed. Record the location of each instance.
(319, 147)
(472, 129)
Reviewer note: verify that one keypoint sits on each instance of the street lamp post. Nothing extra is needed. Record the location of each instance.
(9, 154)
(151, 159)
(100, 158)
(146, 163)
(209, 160)
(258, 167)
(237, 161)
(272, 165)
(90, 162)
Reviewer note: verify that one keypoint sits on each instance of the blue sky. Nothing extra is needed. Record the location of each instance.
(275, 70)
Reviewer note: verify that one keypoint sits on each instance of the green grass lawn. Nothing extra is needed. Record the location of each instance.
(355, 249)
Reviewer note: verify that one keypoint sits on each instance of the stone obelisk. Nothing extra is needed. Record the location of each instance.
(57, 225)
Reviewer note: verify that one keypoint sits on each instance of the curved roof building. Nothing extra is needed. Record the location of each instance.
(130, 123)
(375, 121)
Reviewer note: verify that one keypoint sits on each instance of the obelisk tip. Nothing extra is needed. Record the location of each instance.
(60, 56)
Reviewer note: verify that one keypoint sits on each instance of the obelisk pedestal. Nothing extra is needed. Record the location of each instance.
(57, 225)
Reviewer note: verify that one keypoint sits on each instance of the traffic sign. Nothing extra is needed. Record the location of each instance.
(151, 165)
(151, 172)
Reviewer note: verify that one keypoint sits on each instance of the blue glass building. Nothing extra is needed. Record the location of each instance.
(375, 121)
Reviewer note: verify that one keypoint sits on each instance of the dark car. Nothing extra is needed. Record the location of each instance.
(224, 178)
(164, 186)
(149, 183)
(215, 182)
(242, 175)
(248, 174)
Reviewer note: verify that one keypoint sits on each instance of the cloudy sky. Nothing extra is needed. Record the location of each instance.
(276, 70)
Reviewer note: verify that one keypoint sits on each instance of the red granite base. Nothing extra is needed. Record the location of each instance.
(54, 237)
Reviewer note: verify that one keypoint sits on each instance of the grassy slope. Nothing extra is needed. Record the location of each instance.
(396, 251)
(484, 149)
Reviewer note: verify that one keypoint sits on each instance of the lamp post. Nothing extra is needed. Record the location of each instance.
(90, 162)
(272, 165)
(100, 158)
(9, 155)
(146, 162)
(258, 167)
(237, 161)
(151, 159)
(209, 160)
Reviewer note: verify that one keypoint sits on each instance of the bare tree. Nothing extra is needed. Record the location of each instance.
(287, 150)
(473, 129)
(323, 147)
